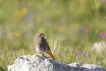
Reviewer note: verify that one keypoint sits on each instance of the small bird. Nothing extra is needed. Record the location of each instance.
(41, 46)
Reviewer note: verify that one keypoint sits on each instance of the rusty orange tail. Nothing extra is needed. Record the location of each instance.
(51, 55)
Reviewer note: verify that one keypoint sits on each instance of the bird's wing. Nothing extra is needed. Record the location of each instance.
(45, 44)
(46, 48)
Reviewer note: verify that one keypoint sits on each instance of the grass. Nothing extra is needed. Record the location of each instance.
(71, 28)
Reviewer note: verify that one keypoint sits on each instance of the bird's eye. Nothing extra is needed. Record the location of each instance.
(40, 35)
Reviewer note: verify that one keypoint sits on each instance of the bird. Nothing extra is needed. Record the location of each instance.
(41, 46)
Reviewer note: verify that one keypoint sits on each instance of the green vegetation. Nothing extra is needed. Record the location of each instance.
(70, 26)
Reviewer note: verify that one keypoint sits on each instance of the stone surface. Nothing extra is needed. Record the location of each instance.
(36, 63)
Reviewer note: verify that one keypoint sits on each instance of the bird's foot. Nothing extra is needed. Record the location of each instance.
(42, 56)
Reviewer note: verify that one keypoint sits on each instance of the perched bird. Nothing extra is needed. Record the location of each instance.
(41, 46)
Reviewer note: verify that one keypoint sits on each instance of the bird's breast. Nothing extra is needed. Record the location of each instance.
(37, 48)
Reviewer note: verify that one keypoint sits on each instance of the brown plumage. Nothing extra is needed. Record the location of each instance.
(42, 46)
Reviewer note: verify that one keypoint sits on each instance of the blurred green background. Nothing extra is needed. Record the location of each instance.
(71, 28)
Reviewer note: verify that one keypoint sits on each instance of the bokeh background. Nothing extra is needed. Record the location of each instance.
(74, 29)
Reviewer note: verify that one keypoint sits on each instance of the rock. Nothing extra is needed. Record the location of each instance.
(36, 63)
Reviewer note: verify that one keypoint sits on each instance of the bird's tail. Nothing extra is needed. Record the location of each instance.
(51, 55)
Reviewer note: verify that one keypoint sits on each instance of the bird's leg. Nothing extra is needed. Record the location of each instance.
(45, 56)
(41, 54)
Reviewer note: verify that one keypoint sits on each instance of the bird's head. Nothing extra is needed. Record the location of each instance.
(40, 35)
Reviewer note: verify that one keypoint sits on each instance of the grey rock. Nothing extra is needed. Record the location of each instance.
(36, 63)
